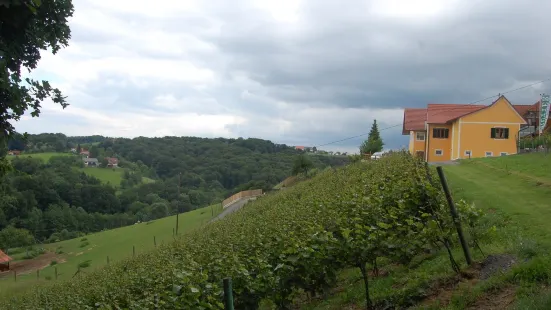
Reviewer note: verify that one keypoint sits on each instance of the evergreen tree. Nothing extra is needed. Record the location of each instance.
(78, 149)
(374, 142)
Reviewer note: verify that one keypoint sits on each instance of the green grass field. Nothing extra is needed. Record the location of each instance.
(44, 156)
(117, 244)
(511, 184)
(106, 175)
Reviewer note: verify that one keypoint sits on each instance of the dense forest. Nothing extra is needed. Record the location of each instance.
(56, 200)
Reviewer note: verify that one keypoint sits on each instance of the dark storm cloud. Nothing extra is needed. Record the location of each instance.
(351, 59)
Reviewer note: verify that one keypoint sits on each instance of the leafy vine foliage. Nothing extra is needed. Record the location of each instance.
(278, 246)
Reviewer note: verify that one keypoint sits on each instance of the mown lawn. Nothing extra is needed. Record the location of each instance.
(116, 243)
(491, 187)
(532, 165)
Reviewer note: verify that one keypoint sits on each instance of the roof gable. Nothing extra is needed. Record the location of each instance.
(499, 100)
(414, 119)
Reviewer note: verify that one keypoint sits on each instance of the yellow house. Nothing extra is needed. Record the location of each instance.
(443, 132)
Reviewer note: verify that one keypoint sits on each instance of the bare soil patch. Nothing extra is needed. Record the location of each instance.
(442, 291)
(29, 265)
(499, 300)
(496, 263)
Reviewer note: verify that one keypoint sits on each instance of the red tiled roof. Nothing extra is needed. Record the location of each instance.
(414, 119)
(443, 113)
(299, 147)
(523, 108)
(4, 258)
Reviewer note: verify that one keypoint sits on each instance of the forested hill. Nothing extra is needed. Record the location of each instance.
(223, 165)
(47, 197)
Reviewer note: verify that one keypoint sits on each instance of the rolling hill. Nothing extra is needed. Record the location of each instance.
(117, 244)
(312, 240)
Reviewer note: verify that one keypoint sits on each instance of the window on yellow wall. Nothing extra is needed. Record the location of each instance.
(438, 152)
(420, 136)
(499, 133)
(440, 133)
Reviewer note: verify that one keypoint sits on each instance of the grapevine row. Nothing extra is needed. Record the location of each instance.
(278, 246)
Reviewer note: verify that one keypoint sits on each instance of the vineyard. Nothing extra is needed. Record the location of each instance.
(282, 245)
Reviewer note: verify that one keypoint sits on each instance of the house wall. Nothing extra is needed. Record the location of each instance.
(501, 111)
(435, 143)
(475, 130)
(411, 142)
(415, 145)
(476, 137)
(455, 140)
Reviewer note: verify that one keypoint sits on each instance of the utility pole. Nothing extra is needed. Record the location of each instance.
(178, 201)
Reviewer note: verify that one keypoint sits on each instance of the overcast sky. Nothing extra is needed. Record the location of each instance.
(300, 72)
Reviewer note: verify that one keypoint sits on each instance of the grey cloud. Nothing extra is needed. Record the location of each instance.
(342, 55)
(336, 55)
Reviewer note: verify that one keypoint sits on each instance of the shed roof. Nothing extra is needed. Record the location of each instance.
(4, 258)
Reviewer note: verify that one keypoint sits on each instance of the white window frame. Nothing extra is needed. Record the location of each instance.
(486, 154)
(468, 152)
(417, 136)
(436, 152)
(503, 153)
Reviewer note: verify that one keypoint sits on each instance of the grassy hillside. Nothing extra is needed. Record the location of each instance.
(311, 237)
(107, 176)
(94, 248)
(518, 185)
(280, 245)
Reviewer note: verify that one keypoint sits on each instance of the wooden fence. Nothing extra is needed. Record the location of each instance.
(243, 194)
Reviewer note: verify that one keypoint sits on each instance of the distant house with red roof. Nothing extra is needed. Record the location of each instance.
(4, 261)
(112, 162)
(14, 152)
(85, 153)
(443, 132)
(300, 148)
(531, 112)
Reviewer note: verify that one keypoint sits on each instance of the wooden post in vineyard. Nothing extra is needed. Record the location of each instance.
(228, 294)
(455, 216)
(178, 200)
(154, 241)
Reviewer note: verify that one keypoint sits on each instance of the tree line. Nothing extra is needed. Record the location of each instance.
(56, 199)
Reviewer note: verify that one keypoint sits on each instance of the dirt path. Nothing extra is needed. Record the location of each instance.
(29, 265)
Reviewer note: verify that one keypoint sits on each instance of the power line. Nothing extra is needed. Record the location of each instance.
(471, 103)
